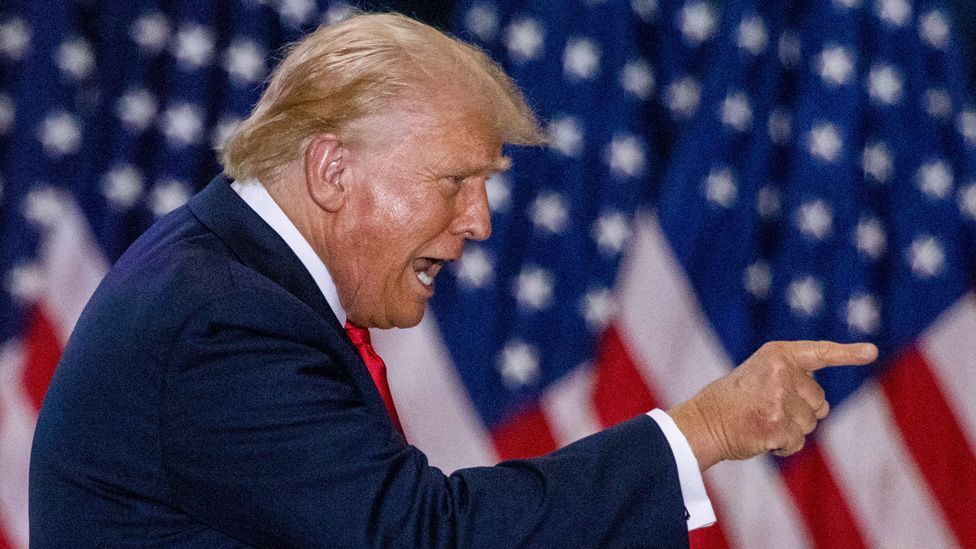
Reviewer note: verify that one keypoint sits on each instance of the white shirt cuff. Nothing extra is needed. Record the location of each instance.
(699, 507)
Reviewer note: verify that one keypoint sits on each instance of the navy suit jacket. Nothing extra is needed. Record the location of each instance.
(208, 397)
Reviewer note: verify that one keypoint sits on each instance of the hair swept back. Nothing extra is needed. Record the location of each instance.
(339, 73)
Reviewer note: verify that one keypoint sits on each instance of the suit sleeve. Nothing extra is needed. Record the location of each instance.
(266, 438)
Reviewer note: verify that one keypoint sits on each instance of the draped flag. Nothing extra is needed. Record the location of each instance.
(720, 174)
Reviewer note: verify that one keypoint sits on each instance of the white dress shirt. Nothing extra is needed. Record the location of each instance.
(696, 501)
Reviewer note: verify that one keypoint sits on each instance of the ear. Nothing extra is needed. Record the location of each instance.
(324, 167)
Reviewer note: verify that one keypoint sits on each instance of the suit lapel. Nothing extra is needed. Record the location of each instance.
(258, 246)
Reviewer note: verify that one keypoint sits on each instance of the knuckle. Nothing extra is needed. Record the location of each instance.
(822, 350)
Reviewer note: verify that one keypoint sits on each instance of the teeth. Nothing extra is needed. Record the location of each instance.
(425, 278)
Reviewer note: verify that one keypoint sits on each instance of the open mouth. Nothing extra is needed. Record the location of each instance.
(427, 268)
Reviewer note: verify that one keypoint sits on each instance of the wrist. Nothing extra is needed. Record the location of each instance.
(690, 419)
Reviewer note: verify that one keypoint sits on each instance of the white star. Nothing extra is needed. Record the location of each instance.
(60, 133)
(524, 39)
(805, 296)
(597, 307)
(697, 22)
(835, 65)
(338, 11)
(14, 38)
(683, 96)
(934, 29)
(122, 186)
(581, 59)
(518, 365)
(223, 130)
(7, 113)
(815, 219)
(938, 103)
(645, 9)
(757, 279)
(789, 48)
(548, 213)
(721, 188)
(825, 143)
(499, 192)
(967, 201)
(566, 136)
(194, 46)
(296, 12)
(780, 126)
(768, 202)
(934, 179)
(926, 257)
(75, 58)
(244, 62)
(894, 12)
(885, 84)
(474, 269)
(44, 206)
(966, 124)
(877, 161)
(167, 195)
(26, 282)
(611, 231)
(848, 4)
(533, 288)
(482, 21)
(637, 78)
(736, 112)
(137, 108)
(150, 32)
(863, 314)
(753, 36)
(182, 124)
(870, 237)
(625, 155)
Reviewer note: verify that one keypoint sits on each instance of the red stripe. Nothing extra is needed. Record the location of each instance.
(4, 543)
(933, 437)
(619, 391)
(524, 435)
(711, 537)
(42, 349)
(820, 501)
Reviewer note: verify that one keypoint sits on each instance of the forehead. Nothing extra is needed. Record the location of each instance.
(440, 132)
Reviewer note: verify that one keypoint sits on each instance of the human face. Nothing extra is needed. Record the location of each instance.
(415, 187)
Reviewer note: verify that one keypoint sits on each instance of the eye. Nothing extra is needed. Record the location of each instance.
(457, 179)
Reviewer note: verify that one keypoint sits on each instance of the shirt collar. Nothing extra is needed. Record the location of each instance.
(257, 197)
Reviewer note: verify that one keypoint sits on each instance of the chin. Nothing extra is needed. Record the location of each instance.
(408, 320)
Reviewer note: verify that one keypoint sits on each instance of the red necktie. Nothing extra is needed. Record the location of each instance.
(376, 367)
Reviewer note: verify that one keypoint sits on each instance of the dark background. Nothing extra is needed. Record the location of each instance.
(440, 13)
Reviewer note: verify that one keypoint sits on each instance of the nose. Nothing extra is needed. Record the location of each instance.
(473, 219)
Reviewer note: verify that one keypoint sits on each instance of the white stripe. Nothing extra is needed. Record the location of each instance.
(949, 346)
(678, 353)
(17, 420)
(568, 405)
(873, 469)
(437, 415)
(72, 263)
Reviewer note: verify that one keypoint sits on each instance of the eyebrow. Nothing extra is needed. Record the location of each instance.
(501, 164)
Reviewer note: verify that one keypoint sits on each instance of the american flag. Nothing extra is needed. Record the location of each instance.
(720, 175)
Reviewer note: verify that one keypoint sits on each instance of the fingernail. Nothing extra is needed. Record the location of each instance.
(867, 351)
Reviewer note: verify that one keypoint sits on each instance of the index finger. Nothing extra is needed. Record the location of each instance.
(814, 355)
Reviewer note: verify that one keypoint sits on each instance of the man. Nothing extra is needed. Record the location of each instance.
(220, 389)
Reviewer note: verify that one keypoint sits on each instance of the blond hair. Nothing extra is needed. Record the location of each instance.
(342, 72)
